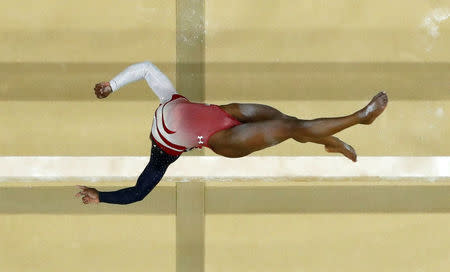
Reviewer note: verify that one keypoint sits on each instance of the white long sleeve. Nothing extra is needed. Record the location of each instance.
(157, 81)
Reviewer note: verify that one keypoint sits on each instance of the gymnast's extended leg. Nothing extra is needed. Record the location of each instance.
(250, 113)
(264, 126)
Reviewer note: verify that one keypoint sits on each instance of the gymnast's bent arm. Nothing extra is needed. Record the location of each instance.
(150, 177)
(157, 81)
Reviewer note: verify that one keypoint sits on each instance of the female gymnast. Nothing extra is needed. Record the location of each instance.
(234, 130)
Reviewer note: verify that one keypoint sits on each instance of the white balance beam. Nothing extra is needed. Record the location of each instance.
(215, 166)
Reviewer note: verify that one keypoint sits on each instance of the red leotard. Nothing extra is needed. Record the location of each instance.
(180, 125)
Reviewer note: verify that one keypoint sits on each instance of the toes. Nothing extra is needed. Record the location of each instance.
(381, 94)
(385, 100)
(354, 157)
(382, 97)
(376, 97)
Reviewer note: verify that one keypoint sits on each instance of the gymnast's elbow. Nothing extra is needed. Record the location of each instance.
(138, 197)
(148, 64)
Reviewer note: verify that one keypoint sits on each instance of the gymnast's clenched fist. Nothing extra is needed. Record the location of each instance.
(102, 89)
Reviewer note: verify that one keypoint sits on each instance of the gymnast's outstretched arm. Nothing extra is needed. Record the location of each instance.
(157, 81)
(149, 178)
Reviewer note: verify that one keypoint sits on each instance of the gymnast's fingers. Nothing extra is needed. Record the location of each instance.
(97, 87)
(82, 192)
(97, 93)
(86, 200)
(101, 93)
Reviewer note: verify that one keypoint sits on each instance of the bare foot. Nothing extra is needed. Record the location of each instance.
(343, 148)
(376, 106)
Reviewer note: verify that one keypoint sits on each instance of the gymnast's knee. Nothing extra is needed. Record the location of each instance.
(301, 139)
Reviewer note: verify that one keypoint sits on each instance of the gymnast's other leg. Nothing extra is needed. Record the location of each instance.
(333, 145)
(264, 126)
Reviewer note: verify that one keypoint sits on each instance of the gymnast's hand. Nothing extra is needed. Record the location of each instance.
(90, 195)
(102, 89)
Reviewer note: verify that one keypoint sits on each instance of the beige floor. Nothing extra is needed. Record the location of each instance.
(249, 226)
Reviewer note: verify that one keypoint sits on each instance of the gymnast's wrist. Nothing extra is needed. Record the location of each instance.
(100, 196)
(113, 84)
